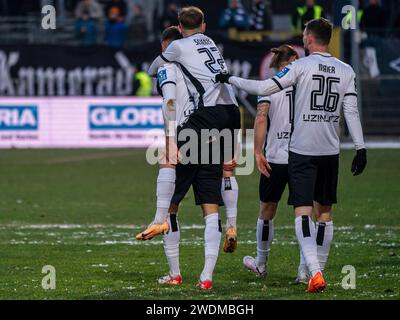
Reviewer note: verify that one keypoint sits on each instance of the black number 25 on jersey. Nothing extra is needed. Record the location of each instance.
(215, 62)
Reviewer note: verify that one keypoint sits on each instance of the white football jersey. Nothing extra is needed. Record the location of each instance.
(324, 85)
(172, 84)
(280, 114)
(200, 60)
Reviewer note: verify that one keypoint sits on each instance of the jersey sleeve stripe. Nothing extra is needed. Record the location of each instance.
(277, 83)
(166, 82)
(159, 91)
(164, 58)
(350, 94)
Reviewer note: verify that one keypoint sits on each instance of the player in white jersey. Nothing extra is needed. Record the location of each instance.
(177, 106)
(274, 114)
(324, 85)
(200, 59)
(216, 109)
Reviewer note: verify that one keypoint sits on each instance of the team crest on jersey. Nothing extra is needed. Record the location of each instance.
(162, 76)
(283, 72)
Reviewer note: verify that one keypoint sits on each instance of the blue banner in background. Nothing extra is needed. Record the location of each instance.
(19, 118)
(115, 117)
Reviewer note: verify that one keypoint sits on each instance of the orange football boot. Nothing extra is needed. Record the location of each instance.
(230, 242)
(316, 283)
(152, 231)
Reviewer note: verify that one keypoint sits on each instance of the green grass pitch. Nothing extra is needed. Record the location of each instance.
(78, 210)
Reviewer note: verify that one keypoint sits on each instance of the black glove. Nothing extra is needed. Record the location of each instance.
(359, 162)
(223, 77)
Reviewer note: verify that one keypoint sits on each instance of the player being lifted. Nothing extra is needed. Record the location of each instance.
(272, 155)
(324, 85)
(199, 58)
(216, 108)
(176, 108)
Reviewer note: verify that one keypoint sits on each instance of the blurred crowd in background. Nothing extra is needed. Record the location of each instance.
(119, 23)
(103, 47)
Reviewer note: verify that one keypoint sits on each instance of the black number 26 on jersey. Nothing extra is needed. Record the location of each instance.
(328, 98)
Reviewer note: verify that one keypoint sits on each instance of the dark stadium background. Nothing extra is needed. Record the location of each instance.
(76, 186)
(20, 30)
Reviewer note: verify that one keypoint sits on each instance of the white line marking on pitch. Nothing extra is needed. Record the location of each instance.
(183, 227)
(115, 226)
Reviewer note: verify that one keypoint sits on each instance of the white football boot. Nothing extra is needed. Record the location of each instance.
(250, 264)
(302, 274)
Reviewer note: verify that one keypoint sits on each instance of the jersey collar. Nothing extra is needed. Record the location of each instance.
(195, 34)
(324, 54)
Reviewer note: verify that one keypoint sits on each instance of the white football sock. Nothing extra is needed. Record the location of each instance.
(324, 232)
(305, 233)
(165, 191)
(212, 239)
(171, 245)
(303, 264)
(230, 193)
(264, 235)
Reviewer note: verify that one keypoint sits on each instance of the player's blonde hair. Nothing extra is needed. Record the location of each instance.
(282, 54)
(191, 18)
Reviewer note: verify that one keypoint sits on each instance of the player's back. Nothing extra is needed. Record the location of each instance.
(280, 114)
(200, 61)
(323, 81)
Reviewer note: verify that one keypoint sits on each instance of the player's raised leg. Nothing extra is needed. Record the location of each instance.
(230, 194)
(174, 106)
(165, 190)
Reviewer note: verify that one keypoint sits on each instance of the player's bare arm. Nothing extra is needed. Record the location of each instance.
(171, 149)
(260, 130)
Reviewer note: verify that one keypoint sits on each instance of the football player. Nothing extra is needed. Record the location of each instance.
(177, 106)
(274, 114)
(216, 109)
(324, 86)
